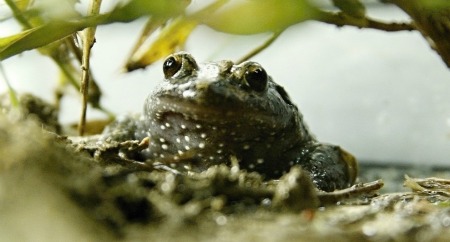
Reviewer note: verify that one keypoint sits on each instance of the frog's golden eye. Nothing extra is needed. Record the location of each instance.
(171, 66)
(256, 77)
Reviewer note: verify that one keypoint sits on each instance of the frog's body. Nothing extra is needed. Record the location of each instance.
(205, 114)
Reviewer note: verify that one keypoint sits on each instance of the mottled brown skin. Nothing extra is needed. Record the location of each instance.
(205, 114)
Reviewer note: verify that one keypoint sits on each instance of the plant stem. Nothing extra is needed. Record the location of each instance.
(88, 42)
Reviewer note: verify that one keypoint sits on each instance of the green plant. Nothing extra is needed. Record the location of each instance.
(56, 34)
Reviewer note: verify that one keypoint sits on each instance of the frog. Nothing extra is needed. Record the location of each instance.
(205, 114)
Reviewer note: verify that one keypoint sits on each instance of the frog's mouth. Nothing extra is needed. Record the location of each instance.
(165, 107)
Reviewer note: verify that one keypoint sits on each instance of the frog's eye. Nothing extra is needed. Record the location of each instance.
(256, 77)
(171, 66)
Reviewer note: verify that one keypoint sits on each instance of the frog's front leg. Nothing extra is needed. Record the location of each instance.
(330, 166)
(124, 128)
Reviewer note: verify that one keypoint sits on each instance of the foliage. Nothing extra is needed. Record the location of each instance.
(54, 33)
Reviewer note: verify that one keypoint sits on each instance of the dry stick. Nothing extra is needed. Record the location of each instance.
(340, 20)
(88, 42)
(356, 190)
(433, 22)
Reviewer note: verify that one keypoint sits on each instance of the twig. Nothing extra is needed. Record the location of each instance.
(88, 42)
(260, 48)
(340, 20)
(433, 21)
(356, 190)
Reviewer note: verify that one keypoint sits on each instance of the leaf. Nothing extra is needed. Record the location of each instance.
(22, 5)
(172, 38)
(40, 36)
(150, 27)
(58, 29)
(157, 8)
(257, 16)
(435, 4)
(353, 8)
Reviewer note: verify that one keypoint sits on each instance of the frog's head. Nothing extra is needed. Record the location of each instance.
(220, 94)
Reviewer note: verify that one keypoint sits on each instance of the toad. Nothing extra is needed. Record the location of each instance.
(206, 114)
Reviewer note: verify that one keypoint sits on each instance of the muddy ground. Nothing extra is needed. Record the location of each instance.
(52, 189)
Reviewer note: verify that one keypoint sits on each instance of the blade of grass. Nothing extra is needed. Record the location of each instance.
(260, 48)
(12, 93)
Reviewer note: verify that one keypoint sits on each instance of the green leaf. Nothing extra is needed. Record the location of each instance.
(58, 29)
(40, 36)
(172, 38)
(435, 4)
(157, 8)
(257, 16)
(352, 8)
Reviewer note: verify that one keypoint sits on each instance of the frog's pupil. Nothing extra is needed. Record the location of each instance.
(256, 78)
(171, 66)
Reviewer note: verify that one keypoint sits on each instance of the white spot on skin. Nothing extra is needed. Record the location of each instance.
(188, 93)
(251, 166)
(180, 152)
(221, 145)
(187, 147)
(161, 155)
(187, 138)
(203, 135)
(246, 147)
(211, 157)
(163, 127)
(164, 146)
(201, 145)
(162, 140)
(178, 140)
(260, 161)
(183, 126)
(167, 125)
(219, 151)
(198, 126)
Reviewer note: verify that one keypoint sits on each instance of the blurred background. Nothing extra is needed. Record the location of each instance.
(382, 96)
